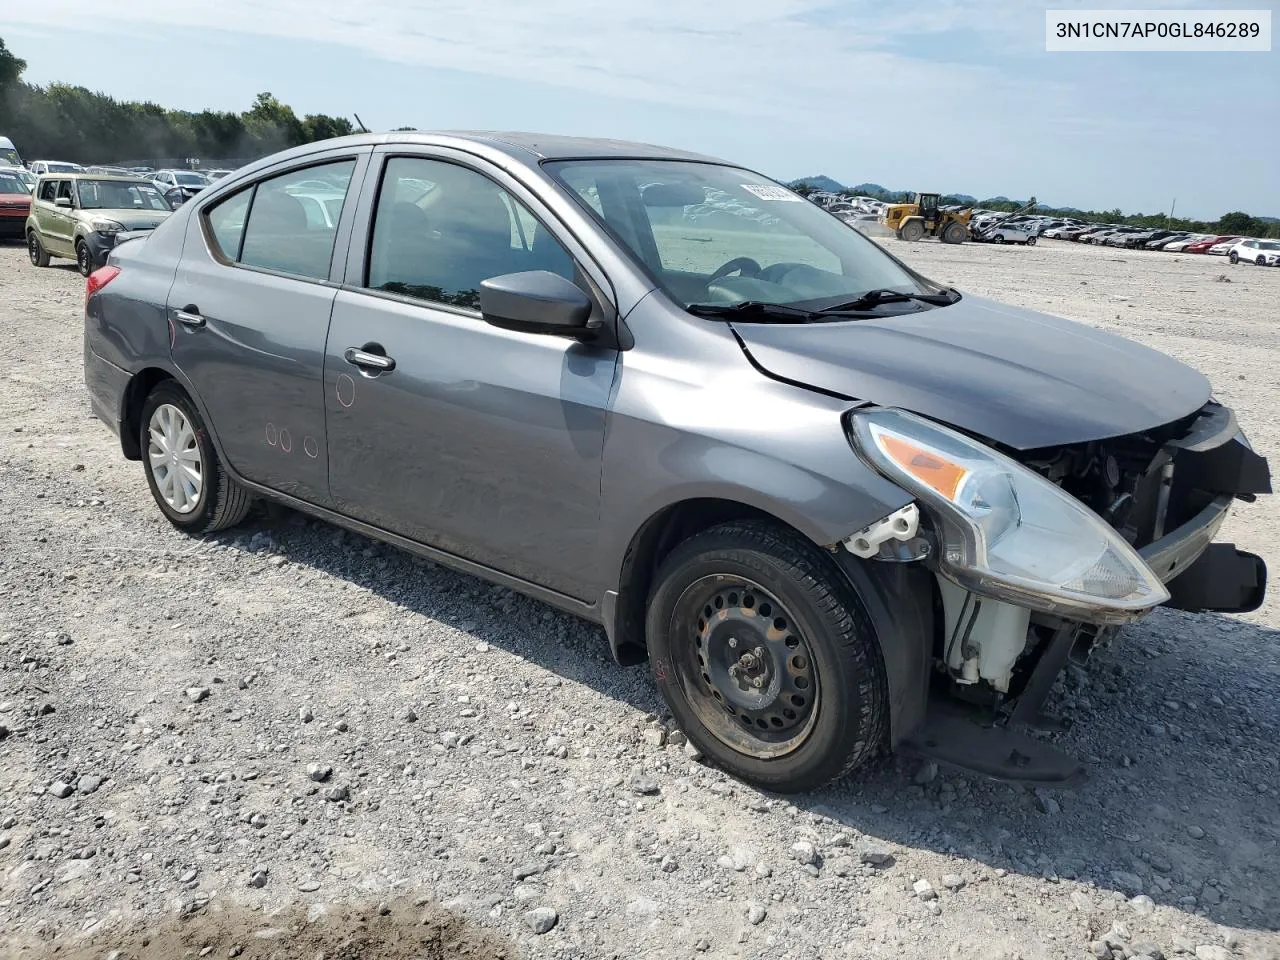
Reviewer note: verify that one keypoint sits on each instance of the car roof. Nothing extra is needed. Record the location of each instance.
(524, 147)
(78, 175)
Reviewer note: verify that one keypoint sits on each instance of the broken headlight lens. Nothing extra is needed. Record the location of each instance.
(1006, 531)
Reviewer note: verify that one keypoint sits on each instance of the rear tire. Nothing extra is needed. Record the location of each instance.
(84, 259)
(183, 472)
(998, 238)
(802, 698)
(36, 252)
(1031, 241)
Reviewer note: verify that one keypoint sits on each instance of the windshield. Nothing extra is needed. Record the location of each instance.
(119, 195)
(10, 183)
(9, 155)
(190, 179)
(712, 234)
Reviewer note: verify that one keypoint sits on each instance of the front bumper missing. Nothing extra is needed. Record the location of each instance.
(1200, 575)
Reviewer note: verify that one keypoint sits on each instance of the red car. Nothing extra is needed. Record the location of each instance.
(15, 204)
(1200, 246)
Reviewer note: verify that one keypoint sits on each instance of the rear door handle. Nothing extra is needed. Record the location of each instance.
(189, 318)
(369, 361)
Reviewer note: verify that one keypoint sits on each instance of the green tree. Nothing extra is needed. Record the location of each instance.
(11, 66)
(1239, 223)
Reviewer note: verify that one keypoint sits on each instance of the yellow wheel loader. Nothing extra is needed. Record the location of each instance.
(922, 217)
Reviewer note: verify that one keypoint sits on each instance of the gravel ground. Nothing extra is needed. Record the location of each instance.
(288, 740)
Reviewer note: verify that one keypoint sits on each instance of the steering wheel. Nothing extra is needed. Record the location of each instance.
(743, 265)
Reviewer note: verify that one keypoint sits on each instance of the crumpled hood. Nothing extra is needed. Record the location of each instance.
(130, 219)
(1020, 378)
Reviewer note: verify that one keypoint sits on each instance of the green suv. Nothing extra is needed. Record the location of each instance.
(80, 216)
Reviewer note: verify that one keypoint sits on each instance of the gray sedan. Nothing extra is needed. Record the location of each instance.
(836, 507)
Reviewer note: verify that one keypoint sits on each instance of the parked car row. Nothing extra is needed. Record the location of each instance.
(1236, 248)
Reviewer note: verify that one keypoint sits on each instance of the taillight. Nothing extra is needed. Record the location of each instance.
(97, 280)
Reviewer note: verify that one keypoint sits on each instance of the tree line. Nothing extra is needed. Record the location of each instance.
(65, 122)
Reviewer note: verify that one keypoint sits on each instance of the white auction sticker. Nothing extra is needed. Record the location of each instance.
(767, 192)
(1152, 31)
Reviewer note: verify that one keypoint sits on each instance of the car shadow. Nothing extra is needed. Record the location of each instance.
(1177, 722)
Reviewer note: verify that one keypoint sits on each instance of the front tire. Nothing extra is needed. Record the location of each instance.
(36, 252)
(84, 258)
(912, 231)
(183, 473)
(1031, 241)
(1234, 257)
(767, 657)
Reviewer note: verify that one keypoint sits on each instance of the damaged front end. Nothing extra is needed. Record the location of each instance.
(1042, 555)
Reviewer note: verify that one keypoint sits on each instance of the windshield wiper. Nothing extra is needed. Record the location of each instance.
(747, 310)
(873, 298)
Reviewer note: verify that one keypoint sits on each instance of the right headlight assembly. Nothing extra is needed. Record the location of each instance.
(1005, 531)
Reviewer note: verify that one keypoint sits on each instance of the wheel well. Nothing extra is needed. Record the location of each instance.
(656, 538)
(135, 395)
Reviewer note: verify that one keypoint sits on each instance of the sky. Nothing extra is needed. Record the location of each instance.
(947, 95)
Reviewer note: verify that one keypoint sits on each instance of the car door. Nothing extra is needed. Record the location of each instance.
(480, 441)
(62, 220)
(248, 315)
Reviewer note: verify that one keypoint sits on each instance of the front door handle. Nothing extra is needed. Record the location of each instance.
(369, 361)
(189, 317)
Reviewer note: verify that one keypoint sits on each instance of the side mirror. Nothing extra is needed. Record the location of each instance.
(62, 202)
(534, 301)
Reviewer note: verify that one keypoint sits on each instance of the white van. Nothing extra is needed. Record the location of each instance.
(9, 156)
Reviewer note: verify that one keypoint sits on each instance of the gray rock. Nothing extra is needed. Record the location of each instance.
(669, 865)
(692, 752)
(1211, 951)
(952, 881)
(875, 856)
(541, 919)
(408, 715)
(526, 870)
(804, 853)
(187, 876)
(756, 914)
(1100, 950)
(88, 784)
(927, 773)
(197, 694)
(335, 794)
(655, 736)
(1142, 905)
(1046, 804)
(1195, 833)
(842, 866)
(309, 886)
(61, 789)
(924, 890)
(1149, 948)
(934, 907)
(4, 842)
(319, 772)
(677, 738)
(1210, 895)
(305, 714)
(645, 786)
(8, 823)
(258, 878)
(1129, 883)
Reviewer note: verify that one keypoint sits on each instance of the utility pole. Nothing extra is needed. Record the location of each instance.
(1171, 207)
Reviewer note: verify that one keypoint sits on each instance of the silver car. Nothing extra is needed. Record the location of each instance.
(835, 506)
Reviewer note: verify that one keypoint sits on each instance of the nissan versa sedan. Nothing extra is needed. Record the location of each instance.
(836, 506)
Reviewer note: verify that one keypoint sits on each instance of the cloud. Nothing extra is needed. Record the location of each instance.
(801, 59)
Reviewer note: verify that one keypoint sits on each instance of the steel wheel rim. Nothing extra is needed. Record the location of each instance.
(33, 248)
(82, 255)
(759, 696)
(173, 455)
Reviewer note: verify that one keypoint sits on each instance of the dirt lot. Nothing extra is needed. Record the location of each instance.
(289, 741)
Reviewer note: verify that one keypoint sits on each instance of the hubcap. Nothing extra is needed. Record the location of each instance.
(174, 456)
(745, 666)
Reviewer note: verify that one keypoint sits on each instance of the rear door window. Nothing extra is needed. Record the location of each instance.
(226, 224)
(283, 231)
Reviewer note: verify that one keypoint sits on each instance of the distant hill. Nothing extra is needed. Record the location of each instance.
(871, 189)
(820, 182)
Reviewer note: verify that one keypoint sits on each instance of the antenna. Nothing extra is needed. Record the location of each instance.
(363, 128)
